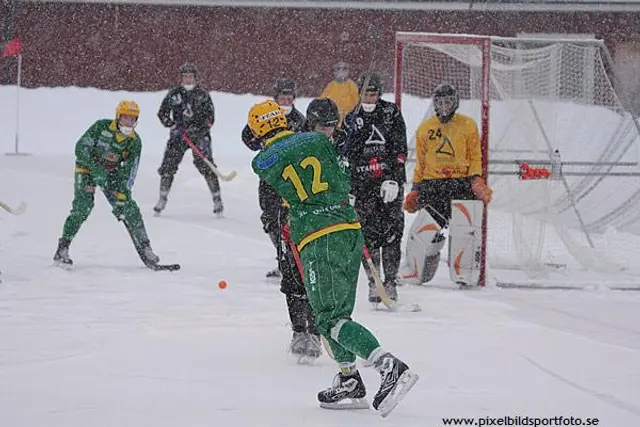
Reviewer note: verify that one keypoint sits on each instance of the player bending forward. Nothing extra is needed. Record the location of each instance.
(303, 168)
(449, 192)
(107, 156)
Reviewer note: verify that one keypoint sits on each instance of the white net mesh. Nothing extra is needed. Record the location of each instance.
(549, 100)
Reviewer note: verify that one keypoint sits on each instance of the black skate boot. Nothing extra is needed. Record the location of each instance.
(312, 351)
(374, 298)
(396, 381)
(218, 207)
(165, 186)
(162, 203)
(346, 392)
(298, 344)
(148, 256)
(273, 274)
(61, 257)
(391, 287)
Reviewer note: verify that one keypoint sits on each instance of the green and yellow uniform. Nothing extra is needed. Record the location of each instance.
(108, 159)
(303, 168)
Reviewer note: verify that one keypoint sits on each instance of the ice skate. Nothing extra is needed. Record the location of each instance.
(391, 288)
(374, 298)
(218, 207)
(298, 344)
(312, 351)
(61, 257)
(162, 203)
(396, 381)
(273, 275)
(346, 392)
(149, 257)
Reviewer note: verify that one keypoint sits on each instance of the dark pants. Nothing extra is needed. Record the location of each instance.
(173, 154)
(435, 195)
(292, 284)
(382, 226)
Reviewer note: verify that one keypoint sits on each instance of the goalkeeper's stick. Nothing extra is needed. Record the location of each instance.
(17, 211)
(214, 169)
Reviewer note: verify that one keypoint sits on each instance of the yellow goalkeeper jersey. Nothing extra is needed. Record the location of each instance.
(344, 94)
(447, 150)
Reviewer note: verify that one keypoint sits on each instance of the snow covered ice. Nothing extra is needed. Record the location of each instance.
(113, 343)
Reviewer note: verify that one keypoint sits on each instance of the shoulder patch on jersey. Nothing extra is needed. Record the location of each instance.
(266, 163)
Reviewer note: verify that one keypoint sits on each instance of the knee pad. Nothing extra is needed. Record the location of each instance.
(465, 235)
(335, 330)
(423, 248)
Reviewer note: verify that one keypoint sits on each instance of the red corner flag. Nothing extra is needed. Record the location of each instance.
(12, 48)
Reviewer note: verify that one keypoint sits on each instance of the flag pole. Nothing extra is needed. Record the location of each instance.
(19, 83)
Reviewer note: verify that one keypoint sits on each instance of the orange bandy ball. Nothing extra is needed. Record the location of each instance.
(222, 284)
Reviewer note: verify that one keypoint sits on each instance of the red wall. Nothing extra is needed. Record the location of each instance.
(132, 47)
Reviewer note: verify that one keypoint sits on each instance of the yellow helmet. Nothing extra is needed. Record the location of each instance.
(266, 116)
(128, 108)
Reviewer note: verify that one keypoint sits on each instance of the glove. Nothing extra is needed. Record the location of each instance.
(389, 191)
(118, 205)
(352, 200)
(99, 177)
(481, 190)
(411, 201)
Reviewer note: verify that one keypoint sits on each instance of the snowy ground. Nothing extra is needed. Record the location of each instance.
(115, 344)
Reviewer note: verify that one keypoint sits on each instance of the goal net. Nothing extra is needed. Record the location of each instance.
(561, 152)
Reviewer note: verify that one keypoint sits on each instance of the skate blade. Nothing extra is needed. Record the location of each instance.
(306, 359)
(343, 404)
(406, 381)
(62, 265)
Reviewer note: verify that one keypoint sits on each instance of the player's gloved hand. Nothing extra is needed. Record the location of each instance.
(481, 190)
(389, 191)
(411, 201)
(99, 177)
(118, 205)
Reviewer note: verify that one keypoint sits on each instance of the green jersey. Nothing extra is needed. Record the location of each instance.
(304, 170)
(104, 150)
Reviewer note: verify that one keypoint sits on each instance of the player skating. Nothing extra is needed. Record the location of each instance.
(284, 93)
(304, 170)
(377, 150)
(188, 111)
(107, 157)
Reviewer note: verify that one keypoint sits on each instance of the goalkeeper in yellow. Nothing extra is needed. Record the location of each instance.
(449, 191)
(303, 168)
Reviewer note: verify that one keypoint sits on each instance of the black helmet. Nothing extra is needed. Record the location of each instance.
(322, 111)
(445, 91)
(373, 81)
(188, 68)
(284, 86)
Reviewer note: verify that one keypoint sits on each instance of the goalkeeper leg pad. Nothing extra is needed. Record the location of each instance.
(423, 248)
(465, 235)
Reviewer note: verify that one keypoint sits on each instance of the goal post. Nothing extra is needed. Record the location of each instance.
(556, 141)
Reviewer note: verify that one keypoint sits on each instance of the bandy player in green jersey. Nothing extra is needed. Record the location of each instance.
(304, 170)
(107, 157)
